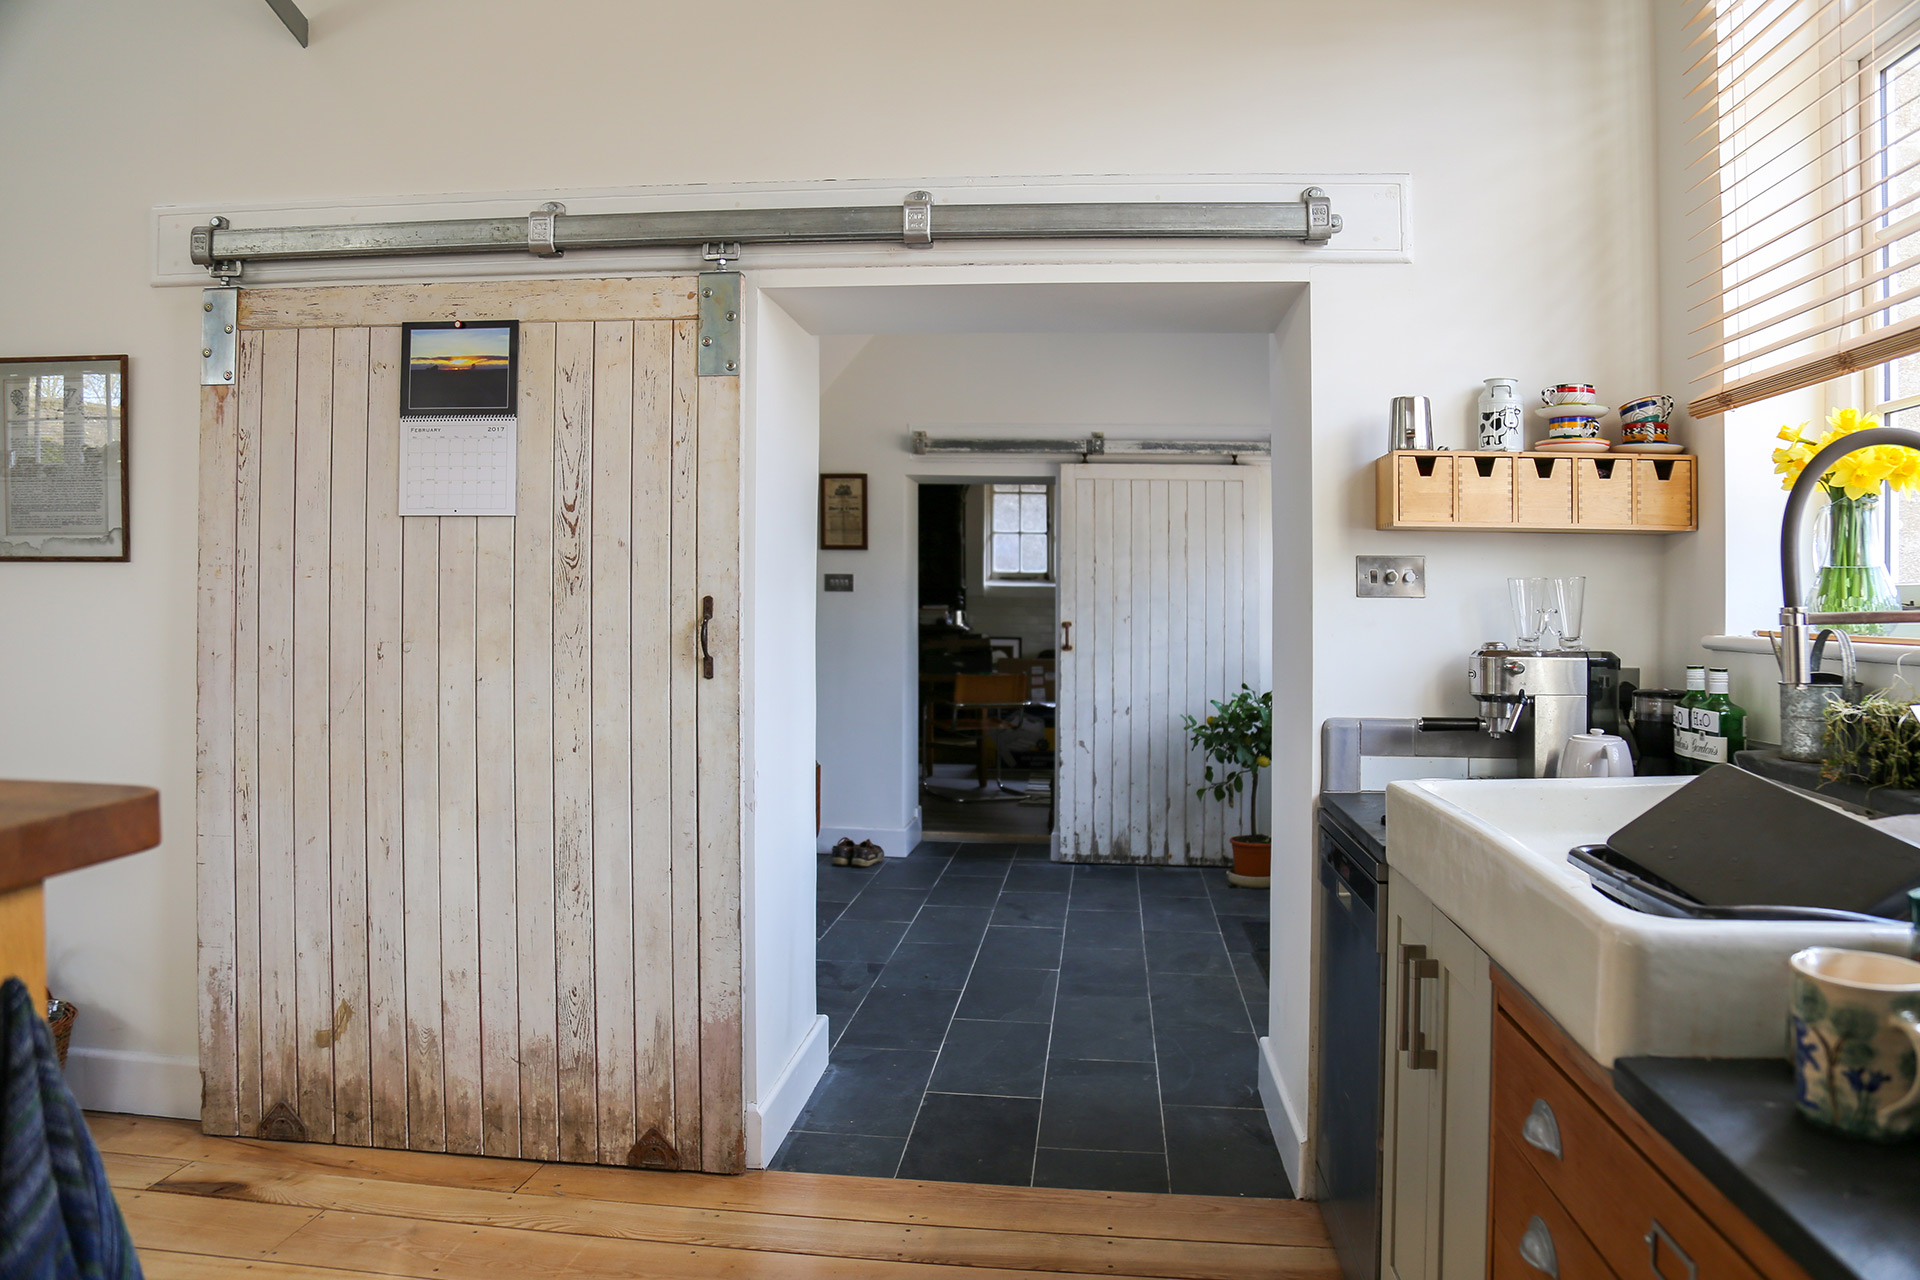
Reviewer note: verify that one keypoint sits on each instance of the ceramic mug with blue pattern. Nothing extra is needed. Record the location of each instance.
(1856, 1042)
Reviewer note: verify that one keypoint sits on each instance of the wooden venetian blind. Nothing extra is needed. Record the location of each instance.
(1806, 137)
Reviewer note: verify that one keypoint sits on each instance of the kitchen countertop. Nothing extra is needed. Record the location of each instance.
(1841, 1208)
(1362, 815)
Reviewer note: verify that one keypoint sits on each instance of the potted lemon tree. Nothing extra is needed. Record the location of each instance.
(1237, 740)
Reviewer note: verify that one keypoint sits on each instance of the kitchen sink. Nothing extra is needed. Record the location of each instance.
(1492, 855)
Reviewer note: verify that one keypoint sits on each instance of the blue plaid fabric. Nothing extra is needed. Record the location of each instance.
(58, 1219)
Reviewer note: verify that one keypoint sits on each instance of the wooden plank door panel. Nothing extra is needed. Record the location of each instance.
(1165, 574)
(469, 815)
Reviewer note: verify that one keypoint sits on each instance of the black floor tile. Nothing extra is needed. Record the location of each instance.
(1039, 877)
(1190, 1001)
(1010, 995)
(1187, 953)
(985, 851)
(1216, 1151)
(870, 1091)
(1008, 1059)
(994, 869)
(1174, 882)
(1098, 929)
(901, 1019)
(1208, 1068)
(1101, 1170)
(949, 924)
(1229, 901)
(963, 1138)
(1090, 871)
(1193, 915)
(1011, 948)
(844, 978)
(1101, 1106)
(852, 1155)
(910, 873)
(964, 891)
(1104, 895)
(825, 914)
(1103, 971)
(1111, 1028)
(1048, 909)
(1245, 935)
(928, 966)
(882, 903)
(860, 940)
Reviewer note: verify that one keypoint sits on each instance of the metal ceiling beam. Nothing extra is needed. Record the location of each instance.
(289, 12)
(549, 231)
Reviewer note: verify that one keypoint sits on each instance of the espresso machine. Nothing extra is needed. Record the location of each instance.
(1542, 697)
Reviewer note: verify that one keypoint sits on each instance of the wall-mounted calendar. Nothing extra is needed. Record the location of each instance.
(452, 466)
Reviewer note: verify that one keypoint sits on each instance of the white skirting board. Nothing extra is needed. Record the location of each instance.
(141, 1084)
(1288, 1124)
(770, 1119)
(897, 842)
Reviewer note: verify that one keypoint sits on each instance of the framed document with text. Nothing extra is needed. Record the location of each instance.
(63, 472)
(843, 512)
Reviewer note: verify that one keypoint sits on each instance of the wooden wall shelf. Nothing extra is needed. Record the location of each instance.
(1537, 492)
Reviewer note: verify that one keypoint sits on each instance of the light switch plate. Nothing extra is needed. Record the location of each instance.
(1390, 577)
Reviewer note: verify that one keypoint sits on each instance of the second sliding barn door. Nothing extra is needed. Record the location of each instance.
(469, 809)
(1166, 576)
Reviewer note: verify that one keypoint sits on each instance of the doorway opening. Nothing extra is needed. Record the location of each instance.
(987, 605)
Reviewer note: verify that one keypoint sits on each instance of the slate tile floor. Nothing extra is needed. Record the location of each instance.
(997, 1017)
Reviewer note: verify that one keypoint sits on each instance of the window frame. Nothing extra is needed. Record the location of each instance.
(991, 578)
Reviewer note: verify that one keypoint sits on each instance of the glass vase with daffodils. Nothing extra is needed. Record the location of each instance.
(1849, 537)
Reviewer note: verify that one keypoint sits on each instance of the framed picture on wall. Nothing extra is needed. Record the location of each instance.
(63, 458)
(459, 368)
(1004, 646)
(843, 512)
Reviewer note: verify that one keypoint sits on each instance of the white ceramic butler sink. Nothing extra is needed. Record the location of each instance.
(1492, 854)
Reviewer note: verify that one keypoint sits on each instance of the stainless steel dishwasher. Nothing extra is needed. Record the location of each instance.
(1353, 873)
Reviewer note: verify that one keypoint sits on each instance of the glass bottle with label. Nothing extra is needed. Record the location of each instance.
(1684, 741)
(1719, 726)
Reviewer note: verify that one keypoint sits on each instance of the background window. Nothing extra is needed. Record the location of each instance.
(1019, 543)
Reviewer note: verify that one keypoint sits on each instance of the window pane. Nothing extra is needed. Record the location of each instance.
(1033, 553)
(1006, 553)
(1900, 103)
(1006, 511)
(1033, 513)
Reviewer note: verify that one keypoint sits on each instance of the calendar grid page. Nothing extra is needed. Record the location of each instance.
(458, 466)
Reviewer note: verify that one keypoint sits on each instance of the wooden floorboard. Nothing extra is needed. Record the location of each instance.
(217, 1206)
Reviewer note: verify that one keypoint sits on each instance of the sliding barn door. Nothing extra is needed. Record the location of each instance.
(1165, 576)
(469, 806)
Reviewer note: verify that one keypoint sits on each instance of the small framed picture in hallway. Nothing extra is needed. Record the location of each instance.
(843, 512)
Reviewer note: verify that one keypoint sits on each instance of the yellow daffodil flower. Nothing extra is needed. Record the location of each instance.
(1858, 474)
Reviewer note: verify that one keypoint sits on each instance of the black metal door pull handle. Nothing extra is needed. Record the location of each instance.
(706, 656)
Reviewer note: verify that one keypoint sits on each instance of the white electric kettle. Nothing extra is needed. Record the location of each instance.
(1595, 755)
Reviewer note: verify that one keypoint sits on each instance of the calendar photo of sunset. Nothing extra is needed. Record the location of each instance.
(462, 367)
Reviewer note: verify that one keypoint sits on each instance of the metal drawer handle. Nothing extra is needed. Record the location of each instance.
(1536, 1248)
(1415, 968)
(1542, 1129)
(1657, 1234)
(1344, 896)
(706, 619)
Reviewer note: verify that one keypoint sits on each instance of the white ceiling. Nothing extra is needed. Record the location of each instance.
(1248, 307)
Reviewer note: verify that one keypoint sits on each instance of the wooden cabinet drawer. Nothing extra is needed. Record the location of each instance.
(1483, 490)
(1543, 491)
(1520, 1201)
(1614, 1194)
(1425, 488)
(1663, 493)
(1603, 491)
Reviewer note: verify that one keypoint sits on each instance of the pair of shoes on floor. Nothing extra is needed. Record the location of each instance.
(864, 854)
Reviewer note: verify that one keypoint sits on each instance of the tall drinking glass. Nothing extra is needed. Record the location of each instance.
(1531, 598)
(1569, 608)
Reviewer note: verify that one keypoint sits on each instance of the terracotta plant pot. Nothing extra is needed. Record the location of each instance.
(1252, 862)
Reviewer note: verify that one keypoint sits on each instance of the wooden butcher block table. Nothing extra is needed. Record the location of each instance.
(50, 827)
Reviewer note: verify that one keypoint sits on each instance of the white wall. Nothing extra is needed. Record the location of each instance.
(130, 106)
(1127, 384)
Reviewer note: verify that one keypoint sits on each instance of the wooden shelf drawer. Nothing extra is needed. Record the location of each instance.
(1543, 491)
(1482, 490)
(1663, 492)
(1612, 1192)
(1603, 492)
(1423, 488)
(1519, 1200)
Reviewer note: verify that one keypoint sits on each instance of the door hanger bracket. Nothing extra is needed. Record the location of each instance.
(219, 341)
(720, 323)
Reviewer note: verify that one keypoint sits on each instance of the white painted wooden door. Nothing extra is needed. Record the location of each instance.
(468, 811)
(1165, 578)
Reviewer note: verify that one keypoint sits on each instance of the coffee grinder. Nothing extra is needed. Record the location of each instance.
(1542, 697)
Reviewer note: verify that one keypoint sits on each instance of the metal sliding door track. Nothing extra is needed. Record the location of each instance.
(550, 231)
